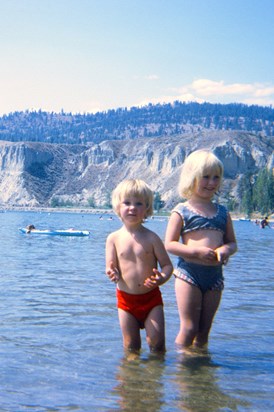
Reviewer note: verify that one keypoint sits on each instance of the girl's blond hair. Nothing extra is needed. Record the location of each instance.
(132, 187)
(195, 166)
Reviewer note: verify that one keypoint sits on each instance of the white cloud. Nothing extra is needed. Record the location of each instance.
(206, 90)
(205, 87)
(265, 91)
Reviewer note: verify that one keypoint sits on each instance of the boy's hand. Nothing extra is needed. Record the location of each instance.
(155, 280)
(113, 273)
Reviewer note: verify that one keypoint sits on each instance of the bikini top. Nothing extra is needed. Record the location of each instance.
(195, 221)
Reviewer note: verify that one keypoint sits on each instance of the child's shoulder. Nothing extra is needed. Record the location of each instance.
(114, 235)
(222, 209)
(150, 234)
(181, 204)
(180, 207)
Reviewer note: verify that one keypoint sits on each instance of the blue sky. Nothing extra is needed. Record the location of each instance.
(94, 55)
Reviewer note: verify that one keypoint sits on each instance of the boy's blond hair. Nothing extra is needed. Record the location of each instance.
(132, 187)
(197, 165)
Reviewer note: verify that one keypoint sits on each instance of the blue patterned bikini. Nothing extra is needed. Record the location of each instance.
(204, 277)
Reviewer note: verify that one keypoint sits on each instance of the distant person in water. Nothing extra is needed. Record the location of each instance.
(265, 222)
(30, 228)
(132, 256)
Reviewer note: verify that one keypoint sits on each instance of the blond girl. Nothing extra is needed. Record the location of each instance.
(200, 233)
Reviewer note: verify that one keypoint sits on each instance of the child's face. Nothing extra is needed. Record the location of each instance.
(207, 185)
(133, 209)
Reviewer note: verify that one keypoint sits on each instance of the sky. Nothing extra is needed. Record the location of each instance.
(85, 56)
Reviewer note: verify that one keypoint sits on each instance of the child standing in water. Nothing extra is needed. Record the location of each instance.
(208, 241)
(132, 255)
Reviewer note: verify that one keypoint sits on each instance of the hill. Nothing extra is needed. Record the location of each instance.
(137, 122)
(40, 174)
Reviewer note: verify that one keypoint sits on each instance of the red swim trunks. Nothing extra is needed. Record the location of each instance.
(139, 305)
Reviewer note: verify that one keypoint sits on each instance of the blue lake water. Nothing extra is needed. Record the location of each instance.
(60, 342)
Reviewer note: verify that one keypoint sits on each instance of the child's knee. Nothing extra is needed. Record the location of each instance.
(190, 328)
(131, 344)
(203, 334)
(156, 343)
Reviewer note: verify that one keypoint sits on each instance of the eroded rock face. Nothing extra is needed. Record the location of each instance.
(31, 174)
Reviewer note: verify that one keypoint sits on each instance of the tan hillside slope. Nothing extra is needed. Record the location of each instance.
(32, 174)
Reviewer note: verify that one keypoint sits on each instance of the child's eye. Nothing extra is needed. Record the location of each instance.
(139, 203)
(126, 202)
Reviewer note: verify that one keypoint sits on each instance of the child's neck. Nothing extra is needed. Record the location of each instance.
(204, 206)
(133, 228)
(197, 200)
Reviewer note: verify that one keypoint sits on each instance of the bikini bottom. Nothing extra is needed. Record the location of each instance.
(204, 277)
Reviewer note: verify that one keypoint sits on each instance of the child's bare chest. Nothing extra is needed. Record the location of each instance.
(132, 249)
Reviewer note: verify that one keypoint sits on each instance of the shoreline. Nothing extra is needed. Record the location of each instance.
(98, 211)
(55, 209)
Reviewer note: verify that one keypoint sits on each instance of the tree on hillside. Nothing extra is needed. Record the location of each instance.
(245, 192)
(256, 194)
(263, 191)
(158, 202)
(151, 121)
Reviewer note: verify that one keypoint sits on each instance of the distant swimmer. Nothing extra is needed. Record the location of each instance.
(265, 222)
(30, 228)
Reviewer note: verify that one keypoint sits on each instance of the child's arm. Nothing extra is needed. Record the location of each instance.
(174, 246)
(112, 270)
(230, 244)
(160, 277)
(113, 273)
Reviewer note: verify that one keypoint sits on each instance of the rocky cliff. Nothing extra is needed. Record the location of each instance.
(32, 174)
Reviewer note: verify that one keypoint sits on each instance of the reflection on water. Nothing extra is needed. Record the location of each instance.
(190, 383)
(139, 384)
(199, 390)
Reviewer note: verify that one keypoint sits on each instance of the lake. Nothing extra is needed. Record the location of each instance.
(60, 341)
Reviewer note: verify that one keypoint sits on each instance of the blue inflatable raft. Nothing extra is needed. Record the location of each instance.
(64, 232)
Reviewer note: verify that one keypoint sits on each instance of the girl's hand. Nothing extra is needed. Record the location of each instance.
(113, 273)
(155, 280)
(222, 256)
(207, 254)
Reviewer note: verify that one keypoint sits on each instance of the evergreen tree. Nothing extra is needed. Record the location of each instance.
(246, 195)
(91, 202)
(158, 202)
(263, 192)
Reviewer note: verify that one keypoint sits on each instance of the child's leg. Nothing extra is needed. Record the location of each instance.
(155, 329)
(189, 302)
(130, 330)
(211, 301)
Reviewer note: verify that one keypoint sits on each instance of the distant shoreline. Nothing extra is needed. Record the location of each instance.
(94, 211)
(98, 211)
